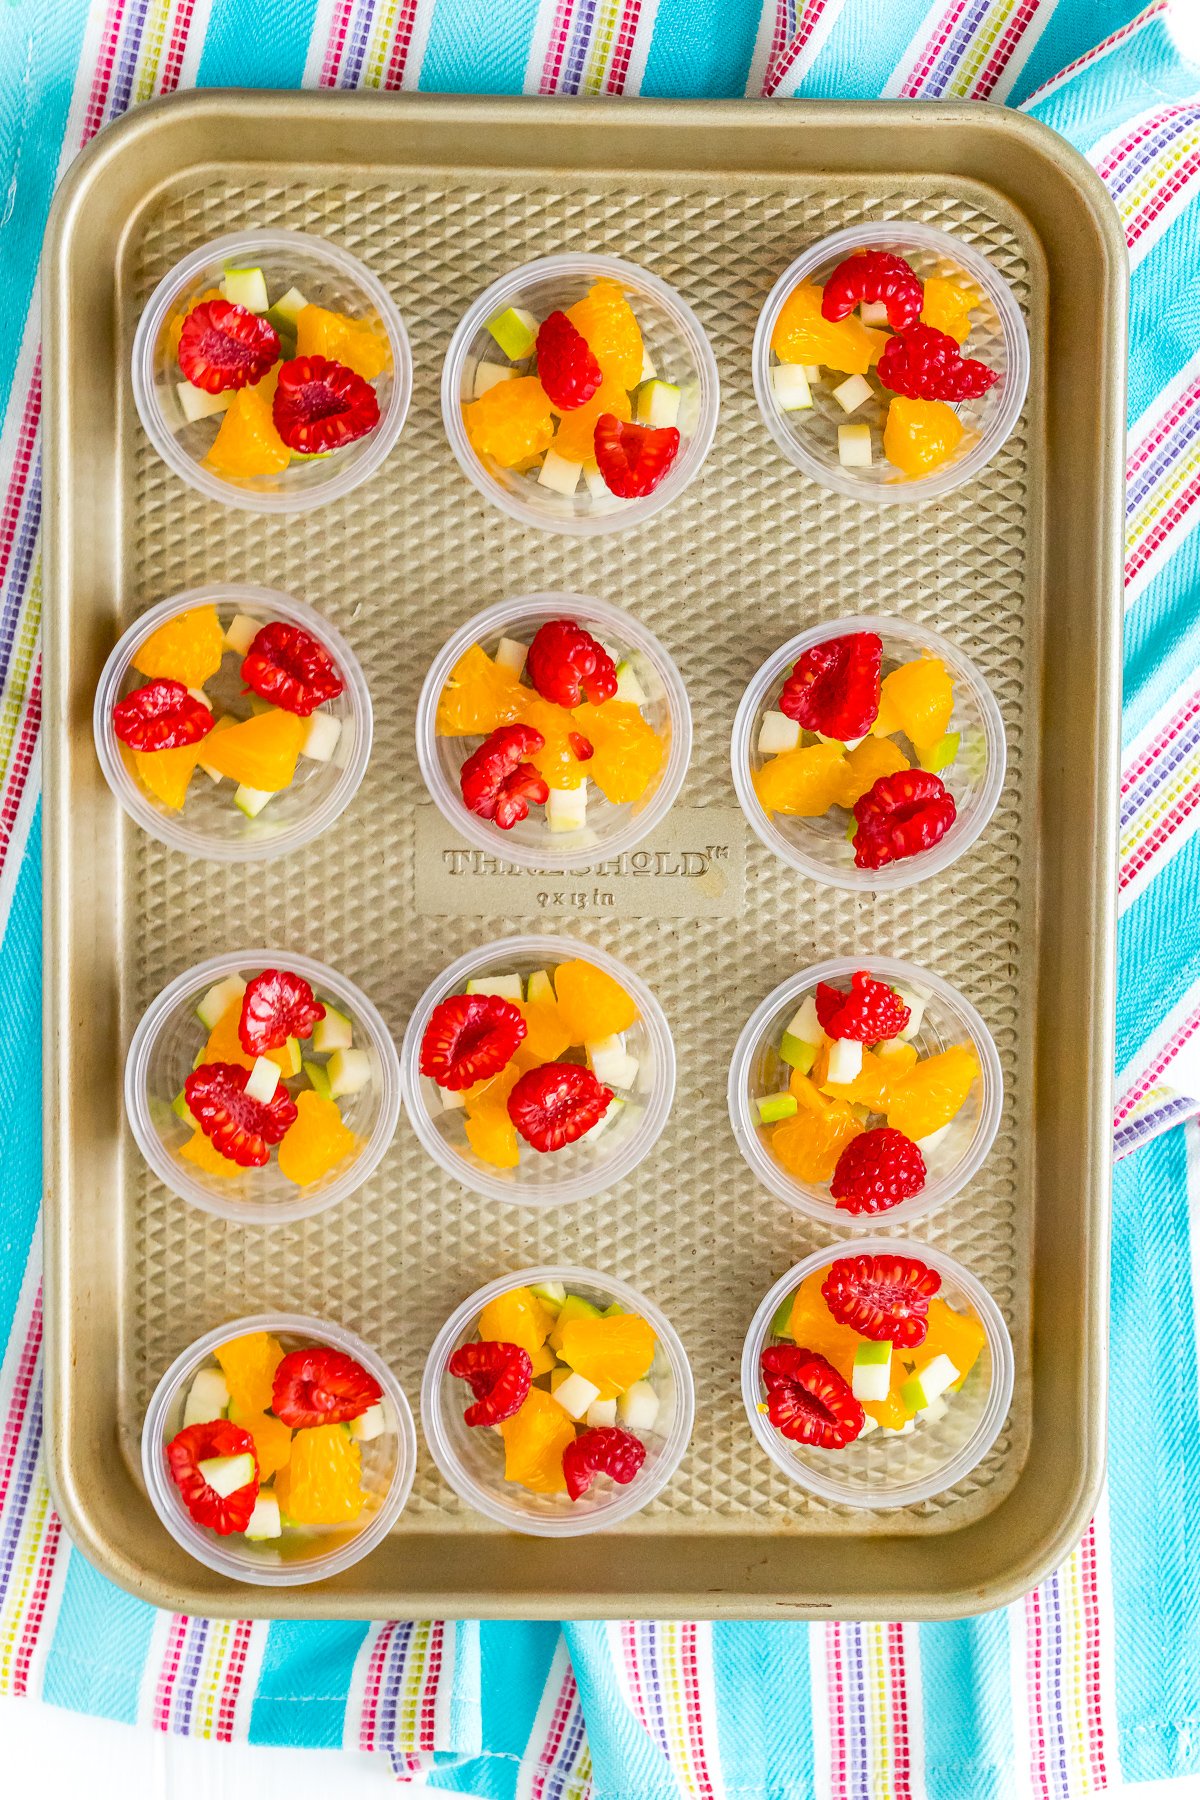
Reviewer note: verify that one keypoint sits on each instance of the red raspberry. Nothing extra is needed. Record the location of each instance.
(925, 364)
(885, 1298)
(224, 346)
(869, 1012)
(194, 1445)
(321, 405)
(566, 368)
(277, 1005)
(497, 783)
(900, 816)
(291, 669)
(238, 1127)
(604, 1450)
(834, 688)
(500, 1376)
(162, 715)
(556, 1104)
(808, 1400)
(633, 458)
(565, 664)
(469, 1038)
(582, 750)
(874, 275)
(877, 1170)
(320, 1386)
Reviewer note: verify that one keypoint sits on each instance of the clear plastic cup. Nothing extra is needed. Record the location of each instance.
(328, 276)
(882, 1469)
(578, 1170)
(472, 1457)
(809, 438)
(302, 1554)
(610, 828)
(820, 847)
(953, 1157)
(675, 343)
(162, 1054)
(210, 825)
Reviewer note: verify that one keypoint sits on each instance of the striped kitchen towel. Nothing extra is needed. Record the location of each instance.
(1097, 1672)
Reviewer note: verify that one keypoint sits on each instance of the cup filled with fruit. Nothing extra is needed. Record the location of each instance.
(865, 1087)
(271, 370)
(868, 753)
(554, 730)
(538, 1070)
(233, 722)
(891, 361)
(877, 1378)
(557, 1401)
(580, 393)
(262, 1086)
(278, 1449)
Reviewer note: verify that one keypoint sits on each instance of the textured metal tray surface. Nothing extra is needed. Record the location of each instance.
(716, 200)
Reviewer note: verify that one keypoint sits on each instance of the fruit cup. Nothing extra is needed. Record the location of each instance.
(472, 1458)
(375, 1457)
(473, 1135)
(655, 366)
(907, 1464)
(650, 693)
(797, 1105)
(352, 325)
(959, 747)
(338, 1088)
(826, 406)
(303, 769)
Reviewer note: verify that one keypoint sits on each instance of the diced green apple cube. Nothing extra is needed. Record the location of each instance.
(318, 1079)
(292, 1057)
(657, 404)
(854, 446)
(928, 1144)
(615, 1108)
(637, 1407)
(805, 1024)
(566, 808)
(812, 370)
(943, 753)
(558, 474)
(551, 1294)
(629, 688)
(842, 743)
(218, 1000)
(928, 1383)
(539, 988)
(872, 1374)
(285, 314)
(262, 1080)
(349, 1072)
(845, 1060)
(451, 1099)
(196, 404)
(248, 288)
(370, 1424)
(324, 730)
(781, 1324)
(241, 632)
(250, 800)
(264, 1522)
(511, 655)
(515, 330)
(505, 987)
(869, 1424)
(777, 734)
(333, 1032)
(182, 1110)
(797, 1053)
(226, 1474)
(611, 1062)
(873, 312)
(648, 369)
(916, 1004)
(852, 393)
(602, 1414)
(208, 1398)
(595, 483)
(773, 1107)
(489, 375)
(689, 408)
(790, 386)
(575, 1394)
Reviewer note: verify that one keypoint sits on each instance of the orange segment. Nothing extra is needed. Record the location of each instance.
(802, 783)
(187, 648)
(897, 1057)
(316, 1142)
(511, 422)
(869, 1088)
(200, 1151)
(248, 1364)
(576, 435)
(546, 1036)
(930, 1095)
(874, 757)
(261, 751)
(491, 1096)
(629, 752)
(493, 1138)
(247, 443)
(801, 335)
(591, 1003)
(272, 1439)
(947, 307)
(167, 774)
(344, 340)
(608, 322)
(917, 699)
(814, 1327)
(322, 1483)
(957, 1335)
(809, 1143)
(808, 1093)
(556, 762)
(517, 1317)
(479, 696)
(224, 1044)
(611, 1353)
(534, 1441)
(920, 435)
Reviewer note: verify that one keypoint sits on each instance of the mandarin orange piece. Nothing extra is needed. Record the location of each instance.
(260, 752)
(802, 335)
(591, 1003)
(167, 774)
(516, 1317)
(187, 648)
(808, 1144)
(814, 1327)
(870, 1087)
(802, 783)
(628, 750)
(917, 699)
(322, 1482)
(534, 1441)
(351, 342)
(546, 1036)
(920, 435)
(511, 422)
(207, 1158)
(605, 318)
(950, 1333)
(248, 1364)
(874, 757)
(225, 1045)
(931, 1094)
(272, 1439)
(947, 307)
(480, 696)
(493, 1138)
(897, 1056)
(808, 1093)
(556, 762)
(247, 443)
(316, 1142)
(612, 1353)
(575, 438)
